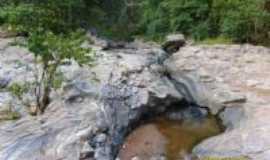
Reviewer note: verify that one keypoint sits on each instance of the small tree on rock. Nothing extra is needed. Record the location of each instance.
(50, 51)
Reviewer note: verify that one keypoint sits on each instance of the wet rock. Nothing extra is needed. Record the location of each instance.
(189, 113)
(4, 82)
(173, 43)
(189, 86)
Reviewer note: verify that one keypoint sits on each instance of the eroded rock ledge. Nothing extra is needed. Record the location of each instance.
(96, 107)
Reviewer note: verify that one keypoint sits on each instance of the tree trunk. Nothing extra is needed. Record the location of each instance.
(45, 101)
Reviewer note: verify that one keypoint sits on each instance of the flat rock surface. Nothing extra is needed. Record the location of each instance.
(236, 77)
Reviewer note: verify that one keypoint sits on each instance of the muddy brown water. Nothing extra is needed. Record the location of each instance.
(171, 139)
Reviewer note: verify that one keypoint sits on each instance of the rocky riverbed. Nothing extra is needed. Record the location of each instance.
(96, 108)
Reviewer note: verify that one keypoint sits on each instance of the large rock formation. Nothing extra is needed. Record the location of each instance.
(236, 85)
(96, 107)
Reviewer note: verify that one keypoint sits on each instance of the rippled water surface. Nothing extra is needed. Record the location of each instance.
(172, 139)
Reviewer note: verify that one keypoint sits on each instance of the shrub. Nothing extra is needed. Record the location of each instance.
(58, 16)
(53, 50)
(58, 80)
(109, 17)
(217, 40)
(241, 21)
(18, 89)
(51, 32)
(164, 16)
(20, 18)
(7, 115)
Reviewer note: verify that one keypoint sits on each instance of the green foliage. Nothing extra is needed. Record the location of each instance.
(56, 49)
(120, 19)
(53, 50)
(164, 16)
(53, 35)
(107, 17)
(217, 40)
(58, 16)
(58, 80)
(20, 18)
(8, 115)
(243, 21)
(18, 89)
(239, 20)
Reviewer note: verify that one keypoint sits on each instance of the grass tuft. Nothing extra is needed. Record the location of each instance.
(8, 115)
(218, 40)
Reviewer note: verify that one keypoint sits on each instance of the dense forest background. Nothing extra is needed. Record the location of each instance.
(225, 20)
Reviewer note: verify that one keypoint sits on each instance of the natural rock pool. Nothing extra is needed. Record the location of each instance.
(170, 139)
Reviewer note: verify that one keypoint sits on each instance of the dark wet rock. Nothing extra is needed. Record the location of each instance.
(189, 86)
(4, 82)
(189, 113)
